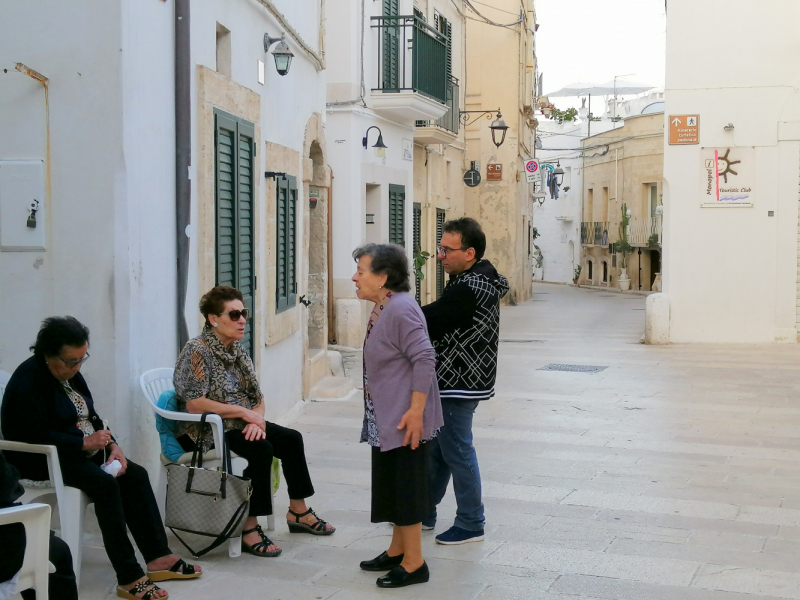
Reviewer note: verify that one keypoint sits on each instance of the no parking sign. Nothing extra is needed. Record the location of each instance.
(532, 171)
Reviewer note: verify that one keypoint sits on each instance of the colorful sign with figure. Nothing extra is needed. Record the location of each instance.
(727, 176)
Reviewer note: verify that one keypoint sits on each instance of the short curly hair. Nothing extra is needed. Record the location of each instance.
(57, 332)
(213, 302)
(389, 260)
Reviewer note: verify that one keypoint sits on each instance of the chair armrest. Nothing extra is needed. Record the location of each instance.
(26, 513)
(50, 452)
(217, 428)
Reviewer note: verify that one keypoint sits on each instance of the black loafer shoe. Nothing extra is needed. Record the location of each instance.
(399, 577)
(381, 562)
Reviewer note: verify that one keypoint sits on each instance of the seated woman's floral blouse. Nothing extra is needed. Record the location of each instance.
(206, 368)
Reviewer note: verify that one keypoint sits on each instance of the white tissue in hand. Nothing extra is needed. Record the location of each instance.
(112, 468)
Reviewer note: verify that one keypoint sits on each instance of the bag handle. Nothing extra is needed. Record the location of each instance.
(197, 461)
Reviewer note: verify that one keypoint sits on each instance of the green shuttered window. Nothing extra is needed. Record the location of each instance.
(439, 266)
(397, 214)
(286, 285)
(233, 198)
(417, 234)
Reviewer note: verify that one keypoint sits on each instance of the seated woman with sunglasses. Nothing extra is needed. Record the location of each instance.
(214, 374)
(47, 401)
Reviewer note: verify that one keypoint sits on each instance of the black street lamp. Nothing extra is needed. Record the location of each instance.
(380, 147)
(282, 55)
(498, 126)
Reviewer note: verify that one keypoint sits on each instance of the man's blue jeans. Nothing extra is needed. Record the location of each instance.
(452, 453)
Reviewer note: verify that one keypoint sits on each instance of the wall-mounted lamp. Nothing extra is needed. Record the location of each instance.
(628, 213)
(380, 147)
(498, 126)
(728, 127)
(282, 55)
(274, 175)
(370, 219)
(659, 210)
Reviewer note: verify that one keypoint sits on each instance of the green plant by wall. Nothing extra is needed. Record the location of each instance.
(564, 115)
(420, 258)
(652, 241)
(576, 273)
(623, 246)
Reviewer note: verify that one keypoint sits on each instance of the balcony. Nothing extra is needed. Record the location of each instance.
(594, 233)
(645, 232)
(444, 130)
(411, 80)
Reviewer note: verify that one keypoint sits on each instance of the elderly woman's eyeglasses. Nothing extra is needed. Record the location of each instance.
(235, 315)
(444, 251)
(76, 362)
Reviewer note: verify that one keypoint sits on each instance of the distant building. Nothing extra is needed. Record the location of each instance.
(623, 170)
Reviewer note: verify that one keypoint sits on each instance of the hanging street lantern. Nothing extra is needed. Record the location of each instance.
(282, 55)
(498, 127)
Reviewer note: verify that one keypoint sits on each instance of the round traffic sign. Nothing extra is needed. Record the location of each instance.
(472, 177)
(532, 166)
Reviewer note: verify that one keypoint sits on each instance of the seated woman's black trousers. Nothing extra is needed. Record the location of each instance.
(127, 500)
(282, 443)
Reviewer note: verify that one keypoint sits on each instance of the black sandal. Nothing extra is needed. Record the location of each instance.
(259, 548)
(318, 528)
(138, 589)
(180, 570)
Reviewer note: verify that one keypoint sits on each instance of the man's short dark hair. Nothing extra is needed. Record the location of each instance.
(389, 260)
(57, 332)
(472, 235)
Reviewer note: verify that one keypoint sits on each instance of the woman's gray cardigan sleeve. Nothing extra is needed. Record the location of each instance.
(411, 338)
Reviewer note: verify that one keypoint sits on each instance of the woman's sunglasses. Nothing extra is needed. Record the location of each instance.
(235, 315)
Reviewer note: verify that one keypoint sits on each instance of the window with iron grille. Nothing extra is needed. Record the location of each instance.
(397, 214)
(417, 246)
(286, 285)
(233, 207)
(439, 265)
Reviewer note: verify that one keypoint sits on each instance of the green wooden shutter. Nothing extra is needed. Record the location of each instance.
(397, 200)
(391, 46)
(286, 285)
(417, 245)
(448, 32)
(439, 265)
(235, 246)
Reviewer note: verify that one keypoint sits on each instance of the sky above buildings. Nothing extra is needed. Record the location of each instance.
(594, 40)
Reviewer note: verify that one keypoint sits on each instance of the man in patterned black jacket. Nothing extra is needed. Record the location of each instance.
(464, 325)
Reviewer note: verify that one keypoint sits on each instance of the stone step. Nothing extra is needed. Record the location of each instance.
(332, 389)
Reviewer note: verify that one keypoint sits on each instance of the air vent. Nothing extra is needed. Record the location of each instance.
(573, 368)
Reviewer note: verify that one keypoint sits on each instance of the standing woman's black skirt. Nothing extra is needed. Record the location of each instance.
(400, 492)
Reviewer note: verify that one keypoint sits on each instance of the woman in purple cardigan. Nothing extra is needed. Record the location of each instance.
(402, 409)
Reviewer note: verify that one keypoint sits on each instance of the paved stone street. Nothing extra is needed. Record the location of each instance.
(672, 474)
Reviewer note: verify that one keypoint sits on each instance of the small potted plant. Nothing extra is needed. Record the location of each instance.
(576, 274)
(623, 247)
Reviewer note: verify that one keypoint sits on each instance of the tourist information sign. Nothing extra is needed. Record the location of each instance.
(684, 129)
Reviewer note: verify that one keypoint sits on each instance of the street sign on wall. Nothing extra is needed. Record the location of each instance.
(532, 171)
(684, 129)
(472, 177)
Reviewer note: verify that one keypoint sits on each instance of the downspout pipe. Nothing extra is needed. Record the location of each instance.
(183, 160)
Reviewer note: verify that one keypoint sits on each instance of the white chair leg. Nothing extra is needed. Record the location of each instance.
(235, 547)
(73, 516)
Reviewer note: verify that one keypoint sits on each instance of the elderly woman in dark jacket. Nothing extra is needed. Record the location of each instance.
(47, 401)
(402, 409)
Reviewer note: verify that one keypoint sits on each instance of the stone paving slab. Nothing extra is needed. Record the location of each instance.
(674, 474)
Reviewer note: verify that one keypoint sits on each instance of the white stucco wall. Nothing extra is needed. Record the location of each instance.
(731, 273)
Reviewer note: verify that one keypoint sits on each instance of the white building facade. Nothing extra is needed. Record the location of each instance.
(387, 71)
(730, 271)
(136, 204)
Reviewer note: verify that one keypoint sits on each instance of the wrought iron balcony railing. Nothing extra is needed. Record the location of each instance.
(594, 233)
(412, 57)
(449, 120)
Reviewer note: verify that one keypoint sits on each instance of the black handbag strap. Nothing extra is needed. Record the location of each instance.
(222, 537)
(197, 459)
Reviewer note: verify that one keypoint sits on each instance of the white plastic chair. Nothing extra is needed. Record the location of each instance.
(72, 502)
(35, 565)
(157, 381)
